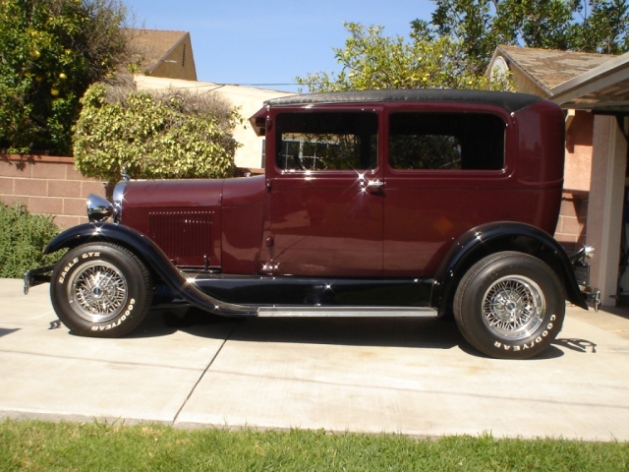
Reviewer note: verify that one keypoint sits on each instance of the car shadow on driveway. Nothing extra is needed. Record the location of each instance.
(578, 345)
(419, 333)
(392, 332)
(430, 333)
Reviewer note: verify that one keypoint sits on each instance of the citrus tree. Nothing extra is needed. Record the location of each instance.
(371, 60)
(50, 52)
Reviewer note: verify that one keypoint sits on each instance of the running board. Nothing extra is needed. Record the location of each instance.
(346, 312)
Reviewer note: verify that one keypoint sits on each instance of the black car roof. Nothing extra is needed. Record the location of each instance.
(507, 100)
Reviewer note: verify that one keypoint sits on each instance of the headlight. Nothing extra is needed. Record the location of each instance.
(98, 209)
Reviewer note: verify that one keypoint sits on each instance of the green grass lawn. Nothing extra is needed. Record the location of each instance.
(41, 446)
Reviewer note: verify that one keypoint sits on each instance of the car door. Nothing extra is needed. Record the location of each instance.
(447, 171)
(325, 192)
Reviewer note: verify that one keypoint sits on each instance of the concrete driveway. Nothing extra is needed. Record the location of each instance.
(415, 377)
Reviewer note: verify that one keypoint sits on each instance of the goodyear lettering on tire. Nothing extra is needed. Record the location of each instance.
(119, 321)
(525, 346)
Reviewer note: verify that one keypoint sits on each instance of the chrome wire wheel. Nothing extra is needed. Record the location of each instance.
(101, 290)
(98, 291)
(513, 307)
(510, 305)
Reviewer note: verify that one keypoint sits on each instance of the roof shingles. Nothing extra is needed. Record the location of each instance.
(549, 68)
(152, 46)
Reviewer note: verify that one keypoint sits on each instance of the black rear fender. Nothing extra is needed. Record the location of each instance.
(490, 238)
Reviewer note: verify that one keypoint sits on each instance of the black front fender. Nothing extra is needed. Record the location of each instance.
(502, 236)
(145, 249)
(95, 232)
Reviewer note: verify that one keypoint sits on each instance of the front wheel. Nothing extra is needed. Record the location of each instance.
(510, 305)
(101, 290)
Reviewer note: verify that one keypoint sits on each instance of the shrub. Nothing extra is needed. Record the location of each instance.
(23, 239)
(171, 135)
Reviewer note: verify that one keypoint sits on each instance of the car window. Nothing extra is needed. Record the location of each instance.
(319, 141)
(446, 141)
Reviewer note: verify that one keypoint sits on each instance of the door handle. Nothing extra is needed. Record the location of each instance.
(375, 184)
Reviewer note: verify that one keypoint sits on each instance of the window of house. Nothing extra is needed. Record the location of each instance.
(327, 141)
(446, 141)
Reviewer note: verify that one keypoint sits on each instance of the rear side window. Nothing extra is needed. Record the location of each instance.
(319, 141)
(446, 141)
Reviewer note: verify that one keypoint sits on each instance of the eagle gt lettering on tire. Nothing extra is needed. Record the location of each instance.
(101, 290)
(510, 305)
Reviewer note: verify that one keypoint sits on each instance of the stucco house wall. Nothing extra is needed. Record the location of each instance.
(580, 128)
(571, 227)
(248, 100)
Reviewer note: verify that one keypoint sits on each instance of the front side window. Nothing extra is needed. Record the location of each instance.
(319, 141)
(446, 141)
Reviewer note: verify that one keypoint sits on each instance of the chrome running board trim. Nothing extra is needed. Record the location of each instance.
(346, 312)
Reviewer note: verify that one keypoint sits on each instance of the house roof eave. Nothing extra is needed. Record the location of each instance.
(605, 87)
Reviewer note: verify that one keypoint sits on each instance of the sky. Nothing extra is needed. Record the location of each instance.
(268, 43)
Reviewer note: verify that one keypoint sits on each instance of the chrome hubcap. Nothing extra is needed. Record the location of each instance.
(513, 307)
(98, 291)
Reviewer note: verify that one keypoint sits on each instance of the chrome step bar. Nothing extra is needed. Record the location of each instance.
(346, 312)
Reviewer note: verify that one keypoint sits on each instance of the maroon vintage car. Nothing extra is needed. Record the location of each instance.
(379, 203)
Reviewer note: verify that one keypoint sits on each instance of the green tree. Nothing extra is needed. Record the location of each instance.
(173, 135)
(465, 21)
(50, 52)
(453, 49)
(576, 25)
(371, 60)
(605, 29)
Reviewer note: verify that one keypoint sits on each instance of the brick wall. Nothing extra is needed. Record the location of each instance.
(571, 227)
(47, 185)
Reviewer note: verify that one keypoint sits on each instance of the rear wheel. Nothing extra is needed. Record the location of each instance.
(510, 305)
(101, 290)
